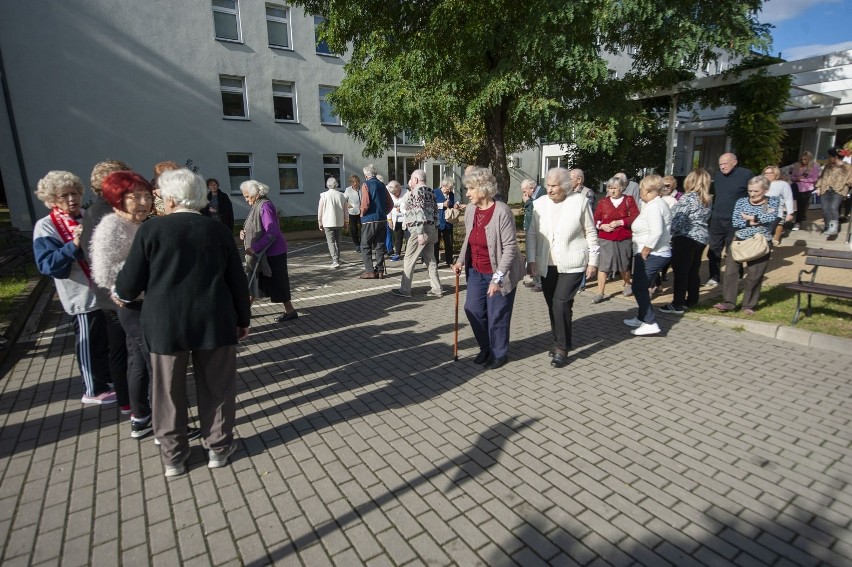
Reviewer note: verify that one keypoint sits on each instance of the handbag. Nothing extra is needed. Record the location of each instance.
(452, 215)
(750, 249)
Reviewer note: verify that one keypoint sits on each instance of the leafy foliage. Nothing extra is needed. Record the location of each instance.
(480, 80)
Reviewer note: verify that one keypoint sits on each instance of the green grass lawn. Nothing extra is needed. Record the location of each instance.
(10, 288)
(777, 305)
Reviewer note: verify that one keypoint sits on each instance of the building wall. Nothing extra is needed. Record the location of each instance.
(139, 81)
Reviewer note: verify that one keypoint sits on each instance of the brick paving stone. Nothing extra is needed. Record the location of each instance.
(357, 460)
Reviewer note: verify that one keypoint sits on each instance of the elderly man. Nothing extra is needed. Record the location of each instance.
(628, 187)
(421, 220)
(331, 217)
(577, 180)
(729, 183)
(376, 203)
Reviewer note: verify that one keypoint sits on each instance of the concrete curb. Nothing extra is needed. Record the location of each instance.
(784, 333)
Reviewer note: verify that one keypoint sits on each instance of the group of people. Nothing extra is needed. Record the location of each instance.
(152, 277)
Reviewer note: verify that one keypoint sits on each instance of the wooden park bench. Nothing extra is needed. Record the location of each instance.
(817, 257)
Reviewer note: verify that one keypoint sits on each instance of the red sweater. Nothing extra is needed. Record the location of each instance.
(605, 213)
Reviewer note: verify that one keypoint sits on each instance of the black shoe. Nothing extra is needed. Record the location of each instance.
(497, 362)
(482, 357)
(291, 316)
(141, 428)
(559, 360)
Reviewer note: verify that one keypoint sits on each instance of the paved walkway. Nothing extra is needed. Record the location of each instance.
(362, 442)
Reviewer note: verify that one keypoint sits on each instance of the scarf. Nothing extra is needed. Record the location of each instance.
(65, 225)
(254, 231)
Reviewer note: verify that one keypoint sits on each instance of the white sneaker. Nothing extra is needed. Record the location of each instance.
(646, 329)
(711, 283)
(796, 226)
(635, 322)
(216, 460)
(628, 290)
(335, 264)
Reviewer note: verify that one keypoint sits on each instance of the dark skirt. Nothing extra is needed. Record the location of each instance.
(615, 255)
(277, 286)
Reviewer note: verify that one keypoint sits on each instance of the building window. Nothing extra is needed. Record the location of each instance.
(278, 26)
(322, 46)
(226, 20)
(632, 50)
(288, 173)
(612, 73)
(284, 101)
(327, 115)
(233, 96)
(239, 170)
(406, 139)
(332, 166)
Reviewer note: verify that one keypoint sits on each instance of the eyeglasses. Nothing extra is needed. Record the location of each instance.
(667, 185)
(65, 196)
(140, 198)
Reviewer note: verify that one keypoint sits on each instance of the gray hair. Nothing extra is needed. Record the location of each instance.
(51, 184)
(759, 180)
(622, 178)
(369, 171)
(448, 181)
(527, 183)
(393, 185)
(561, 176)
(254, 188)
(482, 180)
(577, 172)
(615, 181)
(185, 188)
(331, 183)
(419, 175)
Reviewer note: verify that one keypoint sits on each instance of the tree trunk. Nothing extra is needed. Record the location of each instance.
(495, 122)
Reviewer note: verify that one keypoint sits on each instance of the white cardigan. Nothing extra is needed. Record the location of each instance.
(563, 234)
(652, 228)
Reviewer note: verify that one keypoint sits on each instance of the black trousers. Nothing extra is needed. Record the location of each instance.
(138, 363)
(398, 233)
(803, 202)
(559, 291)
(721, 235)
(355, 229)
(686, 262)
(117, 356)
(446, 236)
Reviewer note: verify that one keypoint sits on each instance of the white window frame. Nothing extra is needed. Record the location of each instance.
(233, 90)
(278, 20)
(235, 12)
(338, 166)
(323, 101)
(240, 164)
(292, 86)
(296, 166)
(317, 21)
(632, 50)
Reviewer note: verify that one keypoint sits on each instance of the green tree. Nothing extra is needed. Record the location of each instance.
(479, 80)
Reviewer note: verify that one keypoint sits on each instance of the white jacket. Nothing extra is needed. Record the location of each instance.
(332, 209)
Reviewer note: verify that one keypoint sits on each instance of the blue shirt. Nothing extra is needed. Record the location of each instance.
(449, 202)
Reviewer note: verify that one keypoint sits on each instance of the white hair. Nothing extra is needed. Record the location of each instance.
(527, 183)
(578, 174)
(369, 170)
(185, 188)
(393, 186)
(254, 188)
(448, 181)
(331, 183)
(419, 175)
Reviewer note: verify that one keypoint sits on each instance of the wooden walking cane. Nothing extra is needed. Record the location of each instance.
(456, 341)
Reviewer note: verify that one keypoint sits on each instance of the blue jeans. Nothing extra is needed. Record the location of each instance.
(831, 200)
(644, 274)
(489, 317)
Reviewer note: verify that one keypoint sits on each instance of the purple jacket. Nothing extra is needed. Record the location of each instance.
(271, 229)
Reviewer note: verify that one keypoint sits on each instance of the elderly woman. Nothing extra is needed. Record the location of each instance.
(196, 308)
(804, 175)
(131, 199)
(613, 217)
(445, 198)
(57, 252)
(493, 267)
(670, 190)
(651, 252)
(396, 219)
(562, 247)
(265, 245)
(780, 188)
(833, 185)
(690, 234)
(116, 337)
(754, 214)
(219, 205)
(353, 204)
